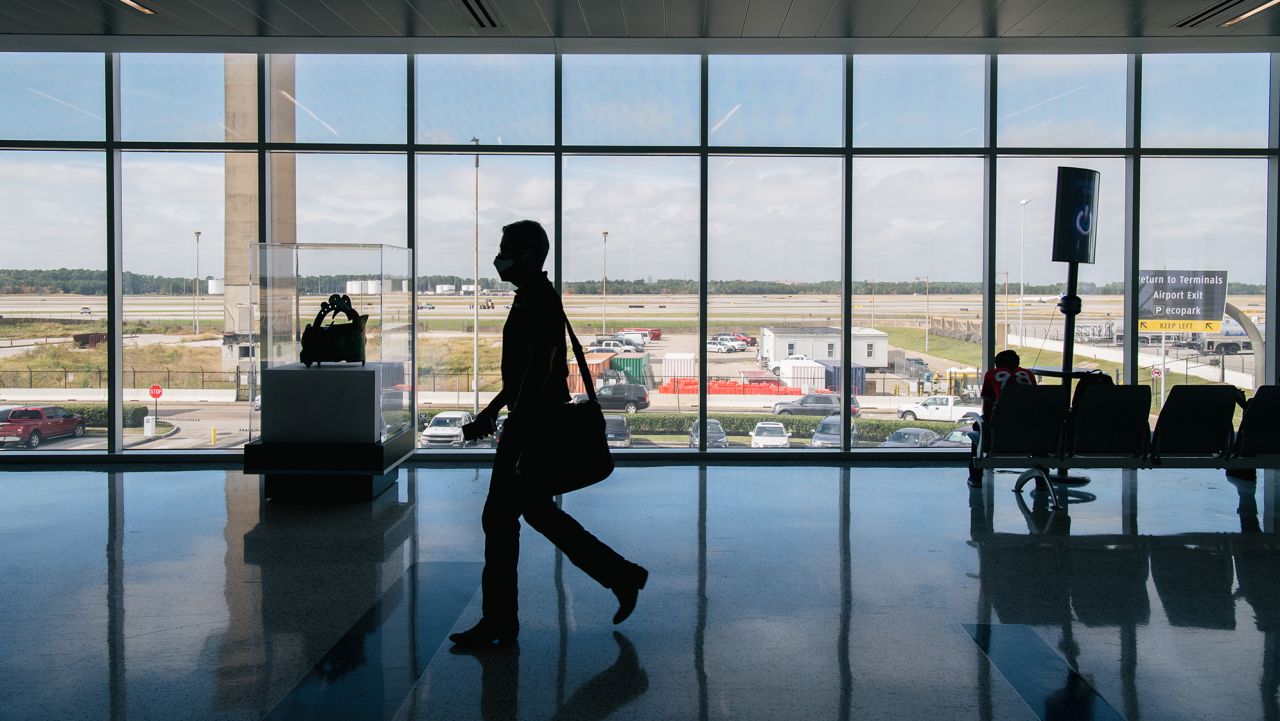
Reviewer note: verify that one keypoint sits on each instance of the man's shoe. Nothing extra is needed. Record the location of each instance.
(485, 634)
(628, 593)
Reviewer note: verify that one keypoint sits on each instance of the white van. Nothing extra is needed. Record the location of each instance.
(635, 335)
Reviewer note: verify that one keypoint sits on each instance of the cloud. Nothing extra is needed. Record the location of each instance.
(54, 206)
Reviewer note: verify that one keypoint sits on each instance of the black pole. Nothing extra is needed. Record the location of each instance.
(1069, 304)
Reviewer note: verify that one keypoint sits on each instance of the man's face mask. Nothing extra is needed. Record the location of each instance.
(504, 265)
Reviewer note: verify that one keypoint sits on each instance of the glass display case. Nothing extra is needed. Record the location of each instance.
(294, 279)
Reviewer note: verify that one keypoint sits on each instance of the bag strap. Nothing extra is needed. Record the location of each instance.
(583, 370)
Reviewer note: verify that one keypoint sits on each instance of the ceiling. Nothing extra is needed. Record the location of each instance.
(569, 20)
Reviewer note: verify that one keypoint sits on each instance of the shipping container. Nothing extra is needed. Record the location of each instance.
(597, 363)
(635, 366)
(857, 376)
(679, 366)
(804, 374)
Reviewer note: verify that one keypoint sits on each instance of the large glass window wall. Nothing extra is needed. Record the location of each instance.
(892, 213)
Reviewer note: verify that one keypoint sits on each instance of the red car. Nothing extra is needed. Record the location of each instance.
(748, 339)
(31, 426)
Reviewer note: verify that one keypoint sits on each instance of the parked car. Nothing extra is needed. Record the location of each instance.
(770, 434)
(31, 426)
(629, 397)
(748, 339)
(653, 333)
(627, 341)
(716, 437)
(827, 434)
(426, 306)
(715, 346)
(775, 367)
(730, 340)
(445, 430)
(615, 346)
(617, 432)
(814, 404)
(955, 439)
(941, 408)
(910, 438)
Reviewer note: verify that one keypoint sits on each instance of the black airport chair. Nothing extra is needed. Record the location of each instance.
(1195, 428)
(1024, 431)
(1258, 440)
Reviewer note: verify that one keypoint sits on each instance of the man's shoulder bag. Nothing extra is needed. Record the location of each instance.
(569, 451)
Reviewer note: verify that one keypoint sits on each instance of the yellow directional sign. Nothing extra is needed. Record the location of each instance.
(1185, 326)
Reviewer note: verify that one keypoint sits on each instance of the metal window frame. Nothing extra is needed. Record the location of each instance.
(1132, 152)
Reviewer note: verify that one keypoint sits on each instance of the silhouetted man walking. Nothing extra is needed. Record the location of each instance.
(534, 379)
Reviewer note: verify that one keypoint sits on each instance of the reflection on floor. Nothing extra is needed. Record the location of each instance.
(775, 593)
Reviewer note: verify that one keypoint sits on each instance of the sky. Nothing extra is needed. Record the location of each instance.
(774, 218)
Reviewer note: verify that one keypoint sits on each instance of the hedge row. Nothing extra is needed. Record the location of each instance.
(95, 414)
(869, 429)
(741, 424)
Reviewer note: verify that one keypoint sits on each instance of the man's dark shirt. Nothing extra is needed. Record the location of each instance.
(535, 329)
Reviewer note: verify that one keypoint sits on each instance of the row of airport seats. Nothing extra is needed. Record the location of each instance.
(1108, 426)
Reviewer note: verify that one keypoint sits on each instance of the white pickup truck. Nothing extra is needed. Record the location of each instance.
(939, 408)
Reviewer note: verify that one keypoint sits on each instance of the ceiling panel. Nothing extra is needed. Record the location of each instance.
(1117, 22)
(566, 18)
(1006, 15)
(685, 18)
(1043, 18)
(924, 17)
(966, 16)
(10, 22)
(645, 18)
(1083, 17)
(393, 15)
(523, 17)
(764, 19)
(604, 18)
(49, 16)
(725, 18)
(839, 21)
(285, 20)
(327, 16)
(878, 19)
(805, 17)
(361, 17)
(226, 19)
(123, 19)
(444, 19)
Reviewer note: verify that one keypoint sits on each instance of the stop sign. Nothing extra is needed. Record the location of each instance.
(156, 391)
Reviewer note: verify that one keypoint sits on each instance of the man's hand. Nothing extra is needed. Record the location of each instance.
(482, 427)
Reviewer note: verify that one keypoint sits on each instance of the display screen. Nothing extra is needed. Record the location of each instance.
(1075, 220)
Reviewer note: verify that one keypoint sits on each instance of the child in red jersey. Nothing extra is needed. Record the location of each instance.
(1008, 370)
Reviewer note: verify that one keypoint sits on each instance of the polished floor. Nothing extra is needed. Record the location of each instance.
(776, 593)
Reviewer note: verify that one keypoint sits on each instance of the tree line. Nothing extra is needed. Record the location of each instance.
(81, 281)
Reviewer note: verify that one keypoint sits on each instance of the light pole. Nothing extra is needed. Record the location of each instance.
(604, 282)
(1005, 273)
(926, 311)
(475, 295)
(1022, 279)
(195, 291)
(873, 302)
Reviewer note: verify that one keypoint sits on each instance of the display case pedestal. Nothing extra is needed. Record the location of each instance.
(328, 471)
